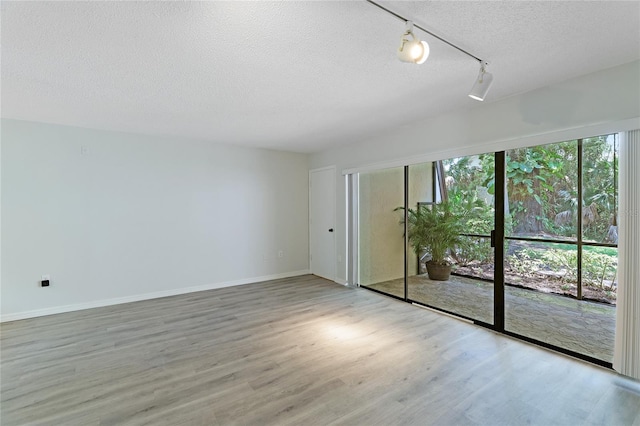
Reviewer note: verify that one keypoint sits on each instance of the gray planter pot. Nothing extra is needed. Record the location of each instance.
(438, 272)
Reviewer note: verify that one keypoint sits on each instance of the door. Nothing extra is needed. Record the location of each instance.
(448, 197)
(322, 244)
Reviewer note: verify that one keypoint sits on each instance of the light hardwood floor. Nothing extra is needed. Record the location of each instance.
(293, 351)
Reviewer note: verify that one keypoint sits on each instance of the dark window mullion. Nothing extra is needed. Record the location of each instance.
(406, 232)
(476, 235)
(594, 244)
(541, 240)
(498, 253)
(579, 233)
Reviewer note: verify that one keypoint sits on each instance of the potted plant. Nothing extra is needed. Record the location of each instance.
(434, 229)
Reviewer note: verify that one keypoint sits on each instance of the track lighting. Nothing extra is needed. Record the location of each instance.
(414, 50)
(482, 85)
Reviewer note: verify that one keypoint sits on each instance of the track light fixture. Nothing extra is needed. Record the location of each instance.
(414, 50)
(482, 84)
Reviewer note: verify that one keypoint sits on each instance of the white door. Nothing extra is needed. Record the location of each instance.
(322, 217)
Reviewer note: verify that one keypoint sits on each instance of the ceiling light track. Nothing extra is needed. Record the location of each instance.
(413, 50)
(406, 20)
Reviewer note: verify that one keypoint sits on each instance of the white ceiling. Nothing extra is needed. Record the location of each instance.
(296, 76)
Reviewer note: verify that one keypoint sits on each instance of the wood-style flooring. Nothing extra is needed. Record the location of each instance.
(584, 327)
(301, 351)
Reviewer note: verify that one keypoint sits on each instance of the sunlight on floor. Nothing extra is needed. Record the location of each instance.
(343, 332)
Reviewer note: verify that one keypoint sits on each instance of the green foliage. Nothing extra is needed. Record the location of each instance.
(434, 229)
(598, 269)
(564, 262)
(468, 182)
(478, 217)
(523, 263)
(609, 251)
(465, 180)
(542, 186)
(536, 178)
(600, 168)
(473, 249)
(543, 200)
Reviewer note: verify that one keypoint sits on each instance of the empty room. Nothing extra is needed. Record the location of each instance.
(320, 212)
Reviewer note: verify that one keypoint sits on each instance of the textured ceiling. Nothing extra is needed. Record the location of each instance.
(297, 76)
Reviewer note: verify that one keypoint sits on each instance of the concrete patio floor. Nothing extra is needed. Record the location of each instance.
(581, 326)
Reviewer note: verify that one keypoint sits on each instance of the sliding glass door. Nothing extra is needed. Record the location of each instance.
(530, 235)
(561, 255)
(380, 231)
(460, 189)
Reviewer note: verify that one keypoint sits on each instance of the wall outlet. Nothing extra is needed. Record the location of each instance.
(280, 254)
(45, 281)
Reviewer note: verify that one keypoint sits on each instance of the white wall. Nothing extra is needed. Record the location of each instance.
(136, 216)
(603, 102)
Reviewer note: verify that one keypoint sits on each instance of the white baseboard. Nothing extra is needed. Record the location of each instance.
(146, 296)
(340, 281)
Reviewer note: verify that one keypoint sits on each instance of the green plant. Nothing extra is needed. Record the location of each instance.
(598, 268)
(524, 264)
(473, 249)
(434, 229)
(467, 193)
(562, 261)
(609, 251)
(542, 187)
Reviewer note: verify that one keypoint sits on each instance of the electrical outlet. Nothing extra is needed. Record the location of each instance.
(45, 281)
(280, 254)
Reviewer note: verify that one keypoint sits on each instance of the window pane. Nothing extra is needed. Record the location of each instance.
(421, 186)
(380, 233)
(599, 190)
(470, 188)
(542, 185)
(600, 274)
(547, 314)
(545, 267)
